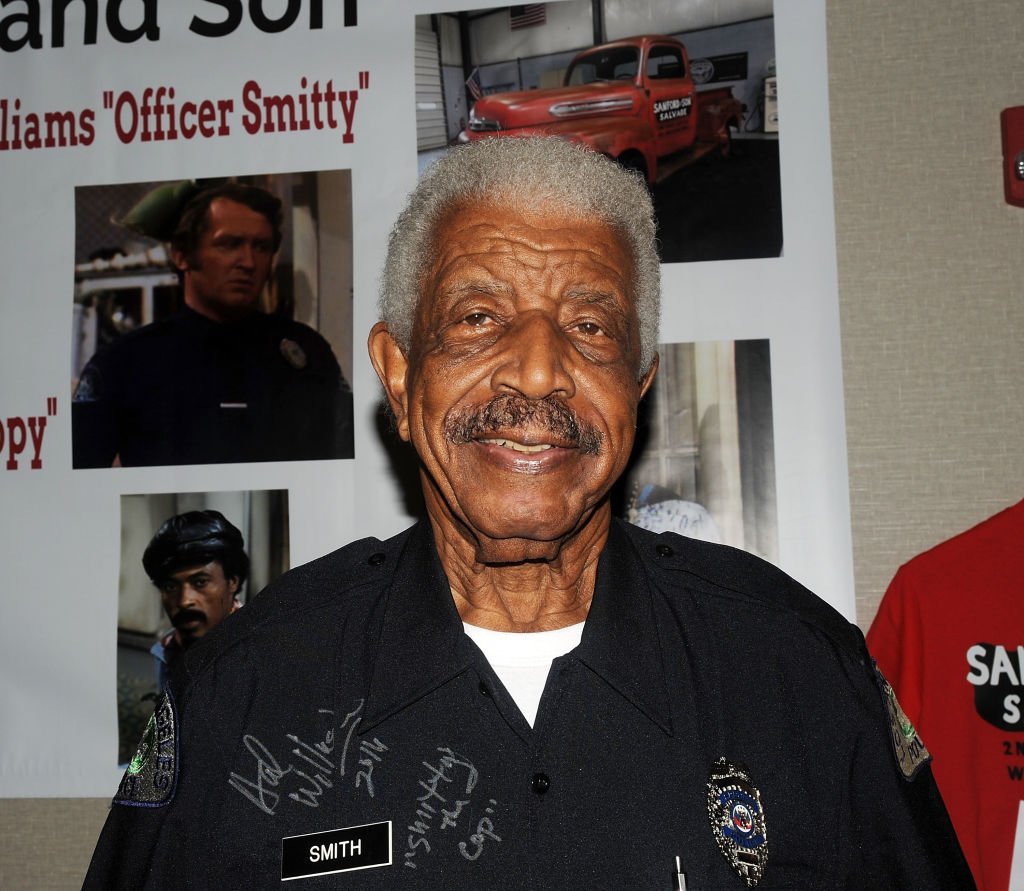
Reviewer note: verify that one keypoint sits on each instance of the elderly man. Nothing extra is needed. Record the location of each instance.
(220, 381)
(521, 692)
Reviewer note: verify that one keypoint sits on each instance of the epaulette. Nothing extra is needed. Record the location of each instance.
(736, 573)
(341, 573)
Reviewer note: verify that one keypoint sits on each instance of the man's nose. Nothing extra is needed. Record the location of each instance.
(187, 597)
(246, 256)
(536, 359)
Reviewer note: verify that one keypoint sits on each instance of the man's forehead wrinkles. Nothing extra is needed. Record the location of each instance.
(499, 254)
(454, 249)
(589, 260)
(531, 235)
(595, 286)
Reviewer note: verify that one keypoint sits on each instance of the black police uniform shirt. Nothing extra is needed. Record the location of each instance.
(193, 391)
(343, 727)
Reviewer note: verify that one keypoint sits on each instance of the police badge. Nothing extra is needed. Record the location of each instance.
(737, 820)
(293, 354)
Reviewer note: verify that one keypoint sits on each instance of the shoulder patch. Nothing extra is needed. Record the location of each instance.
(152, 774)
(911, 755)
(90, 385)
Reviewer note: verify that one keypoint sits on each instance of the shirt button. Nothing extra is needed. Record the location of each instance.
(540, 783)
(664, 550)
(376, 559)
(483, 689)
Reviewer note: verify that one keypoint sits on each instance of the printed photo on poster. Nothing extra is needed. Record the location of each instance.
(704, 460)
(212, 321)
(692, 108)
(188, 561)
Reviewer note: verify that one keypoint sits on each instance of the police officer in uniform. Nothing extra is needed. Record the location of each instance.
(221, 381)
(521, 692)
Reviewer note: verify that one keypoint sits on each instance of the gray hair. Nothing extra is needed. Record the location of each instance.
(522, 174)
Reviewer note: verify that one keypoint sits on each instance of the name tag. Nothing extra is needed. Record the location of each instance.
(336, 850)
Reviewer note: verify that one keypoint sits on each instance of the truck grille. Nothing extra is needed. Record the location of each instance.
(483, 124)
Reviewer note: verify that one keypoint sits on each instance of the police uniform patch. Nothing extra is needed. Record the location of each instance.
(293, 354)
(737, 820)
(911, 755)
(152, 774)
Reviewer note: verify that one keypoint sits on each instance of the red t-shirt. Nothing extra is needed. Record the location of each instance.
(949, 637)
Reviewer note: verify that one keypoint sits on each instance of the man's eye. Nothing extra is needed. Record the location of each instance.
(477, 319)
(591, 329)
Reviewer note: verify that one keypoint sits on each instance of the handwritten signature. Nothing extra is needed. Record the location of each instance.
(316, 767)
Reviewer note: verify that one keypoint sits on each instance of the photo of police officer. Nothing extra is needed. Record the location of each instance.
(189, 560)
(221, 368)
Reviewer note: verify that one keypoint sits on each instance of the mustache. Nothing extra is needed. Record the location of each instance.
(509, 412)
(184, 616)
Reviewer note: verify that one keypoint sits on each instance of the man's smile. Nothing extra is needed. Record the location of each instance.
(530, 453)
(518, 446)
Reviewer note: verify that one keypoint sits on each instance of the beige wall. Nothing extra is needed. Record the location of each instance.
(931, 271)
(930, 268)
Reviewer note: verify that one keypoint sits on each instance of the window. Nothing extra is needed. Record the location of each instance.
(620, 63)
(665, 62)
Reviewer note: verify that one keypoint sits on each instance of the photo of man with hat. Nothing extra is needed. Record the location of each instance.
(197, 561)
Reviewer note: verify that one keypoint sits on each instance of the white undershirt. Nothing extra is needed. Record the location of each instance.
(522, 659)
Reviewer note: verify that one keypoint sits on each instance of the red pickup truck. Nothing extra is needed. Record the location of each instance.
(633, 100)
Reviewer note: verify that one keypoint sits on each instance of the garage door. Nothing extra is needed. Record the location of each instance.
(431, 131)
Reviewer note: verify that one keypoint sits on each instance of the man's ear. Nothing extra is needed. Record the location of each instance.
(179, 260)
(648, 377)
(392, 368)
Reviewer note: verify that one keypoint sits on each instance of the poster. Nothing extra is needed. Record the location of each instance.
(326, 106)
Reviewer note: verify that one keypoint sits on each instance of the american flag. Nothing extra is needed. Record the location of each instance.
(527, 15)
(473, 85)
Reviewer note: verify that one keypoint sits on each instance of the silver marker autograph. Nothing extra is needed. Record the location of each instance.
(440, 801)
(484, 830)
(314, 769)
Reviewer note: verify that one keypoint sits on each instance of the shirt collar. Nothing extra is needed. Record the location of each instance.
(197, 322)
(620, 640)
(422, 644)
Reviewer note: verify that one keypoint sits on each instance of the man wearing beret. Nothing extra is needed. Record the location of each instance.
(197, 561)
(521, 692)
